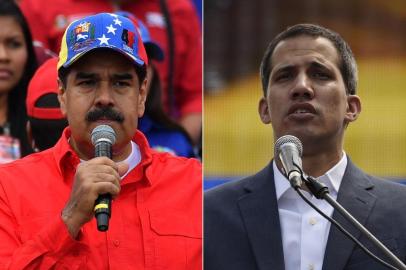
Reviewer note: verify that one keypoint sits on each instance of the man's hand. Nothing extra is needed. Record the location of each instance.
(94, 177)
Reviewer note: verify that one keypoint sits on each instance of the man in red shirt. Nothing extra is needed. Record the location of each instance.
(47, 199)
(182, 84)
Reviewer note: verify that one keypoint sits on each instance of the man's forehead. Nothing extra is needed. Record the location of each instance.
(293, 49)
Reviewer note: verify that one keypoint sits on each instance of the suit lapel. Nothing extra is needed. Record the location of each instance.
(259, 211)
(355, 198)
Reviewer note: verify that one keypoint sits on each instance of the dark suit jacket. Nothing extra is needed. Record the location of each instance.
(242, 229)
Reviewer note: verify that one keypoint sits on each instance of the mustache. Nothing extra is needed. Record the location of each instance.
(104, 113)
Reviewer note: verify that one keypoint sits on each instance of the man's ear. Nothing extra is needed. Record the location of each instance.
(264, 111)
(62, 97)
(353, 108)
(142, 97)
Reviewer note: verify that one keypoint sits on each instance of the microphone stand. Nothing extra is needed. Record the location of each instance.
(320, 191)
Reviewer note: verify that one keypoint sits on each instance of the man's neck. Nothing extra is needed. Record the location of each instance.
(317, 165)
(320, 155)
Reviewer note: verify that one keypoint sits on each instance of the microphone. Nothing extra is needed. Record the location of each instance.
(103, 138)
(289, 150)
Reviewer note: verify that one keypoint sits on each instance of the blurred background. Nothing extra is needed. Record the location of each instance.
(236, 33)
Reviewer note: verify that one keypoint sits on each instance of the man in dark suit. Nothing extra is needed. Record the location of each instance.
(309, 79)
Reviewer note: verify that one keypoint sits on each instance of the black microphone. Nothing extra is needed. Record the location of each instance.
(103, 138)
(289, 150)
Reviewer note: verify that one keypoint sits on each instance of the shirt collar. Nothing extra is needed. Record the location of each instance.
(332, 178)
(281, 183)
(67, 159)
(133, 159)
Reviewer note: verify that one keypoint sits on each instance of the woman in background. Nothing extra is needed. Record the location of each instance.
(17, 65)
(163, 133)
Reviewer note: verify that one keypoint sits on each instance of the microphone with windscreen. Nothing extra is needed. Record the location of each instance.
(103, 138)
(289, 150)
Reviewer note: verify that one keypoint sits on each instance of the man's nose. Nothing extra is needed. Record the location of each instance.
(104, 95)
(302, 87)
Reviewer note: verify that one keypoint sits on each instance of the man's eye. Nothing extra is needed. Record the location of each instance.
(121, 84)
(321, 75)
(87, 83)
(283, 77)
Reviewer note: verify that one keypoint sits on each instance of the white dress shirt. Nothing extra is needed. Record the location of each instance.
(132, 160)
(304, 231)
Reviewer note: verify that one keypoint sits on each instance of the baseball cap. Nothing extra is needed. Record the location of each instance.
(42, 93)
(103, 30)
(154, 51)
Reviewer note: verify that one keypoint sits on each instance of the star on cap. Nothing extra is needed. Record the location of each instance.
(104, 40)
(111, 29)
(117, 21)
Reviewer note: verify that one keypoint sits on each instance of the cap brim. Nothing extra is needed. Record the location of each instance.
(136, 61)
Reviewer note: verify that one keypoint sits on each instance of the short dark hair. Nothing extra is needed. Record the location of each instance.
(347, 65)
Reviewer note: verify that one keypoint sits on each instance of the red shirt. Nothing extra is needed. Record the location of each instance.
(49, 19)
(155, 224)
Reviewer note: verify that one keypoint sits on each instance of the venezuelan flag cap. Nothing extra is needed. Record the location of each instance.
(103, 30)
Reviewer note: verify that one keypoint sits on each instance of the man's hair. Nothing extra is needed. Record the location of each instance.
(347, 64)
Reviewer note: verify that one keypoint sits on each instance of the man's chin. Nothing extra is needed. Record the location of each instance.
(302, 133)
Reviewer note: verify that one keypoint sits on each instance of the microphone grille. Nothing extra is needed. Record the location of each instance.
(104, 132)
(288, 139)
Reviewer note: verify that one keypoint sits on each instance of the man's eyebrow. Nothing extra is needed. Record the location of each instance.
(81, 75)
(317, 64)
(284, 68)
(122, 76)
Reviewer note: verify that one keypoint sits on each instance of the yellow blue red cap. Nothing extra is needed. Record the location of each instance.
(103, 30)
